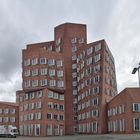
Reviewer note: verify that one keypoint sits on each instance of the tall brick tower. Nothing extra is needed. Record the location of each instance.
(74, 81)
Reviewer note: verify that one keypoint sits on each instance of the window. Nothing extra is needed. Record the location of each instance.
(74, 66)
(61, 107)
(115, 124)
(31, 106)
(94, 127)
(89, 50)
(74, 83)
(89, 61)
(81, 40)
(51, 62)
(98, 47)
(42, 60)
(58, 49)
(6, 119)
(136, 124)
(97, 57)
(6, 111)
(37, 129)
(34, 61)
(121, 124)
(74, 57)
(52, 83)
(61, 117)
(56, 106)
(44, 71)
(59, 63)
(95, 101)
(27, 62)
(39, 94)
(27, 73)
(96, 90)
(74, 92)
(49, 129)
(55, 117)
(61, 97)
(43, 82)
(58, 41)
(55, 95)
(38, 104)
(74, 40)
(52, 72)
(96, 79)
(97, 68)
(49, 48)
(49, 116)
(136, 107)
(50, 94)
(74, 74)
(35, 72)
(32, 95)
(27, 83)
(74, 49)
(60, 73)
(60, 84)
(50, 105)
(95, 113)
(37, 116)
(34, 83)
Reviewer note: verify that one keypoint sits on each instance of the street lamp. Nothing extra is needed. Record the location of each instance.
(135, 70)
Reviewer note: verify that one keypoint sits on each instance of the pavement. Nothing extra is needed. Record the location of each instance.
(82, 137)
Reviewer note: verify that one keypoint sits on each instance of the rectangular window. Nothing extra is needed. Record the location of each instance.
(38, 104)
(89, 50)
(136, 107)
(51, 62)
(96, 68)
(44, 71)
(121, 124)
(59, 63)
(61, 97)
(51, 72)
(37, 116)
(27, 83)
(27, 62)
(49, 48)
(55, 95)
(61, 107)
(43, 82)
(27, 73)
(42, 60)
(60, 84)
(89, 61)
(50, 105)
(61, 117)
(6, 119)
(56, 106)
(35, 72)
(74, 83)
(52, 83)
(39, 94)
(60, 73)
(50, 94)
(74, 40)
(34, 83)
(0, 119)
(97, 58)
(74, 66)
(49, 116)
(55, 117)
(136, 124)
(74, 92)
(34, 61)
(98, 47)
(6, 111)
(74, 57)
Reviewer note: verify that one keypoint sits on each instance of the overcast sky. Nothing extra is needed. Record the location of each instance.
(29, 21)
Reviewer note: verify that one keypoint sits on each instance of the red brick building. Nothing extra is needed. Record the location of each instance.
(124, 112)
(9, 114)
(67, 73)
